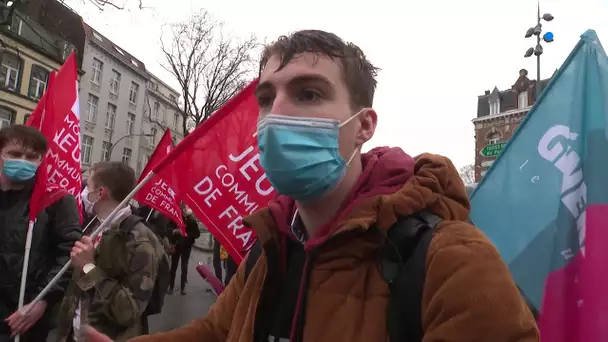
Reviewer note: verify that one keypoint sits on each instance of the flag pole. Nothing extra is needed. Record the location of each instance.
(149, 214)
(96, 232)
(89, 225)
(26, 261)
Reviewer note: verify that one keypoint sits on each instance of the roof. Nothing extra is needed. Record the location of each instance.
(57, 19)
(508, 98)
(116, 51)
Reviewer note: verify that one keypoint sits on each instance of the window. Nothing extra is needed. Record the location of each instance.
(105, 151)
(494, 107)
(175, 120)
(87, 149)
(119, 50)
(134, 62)
(130, 123)
(522, 100)
(126, 155)
(10, 65)
(97, 36)
(6, 117)
(16, 25)
(97, 70)
(133, 93)
(152, 138)
(115, 82)
(110, 116)
(93, 104)
(67, 50)
(155, 111)
(38, 81)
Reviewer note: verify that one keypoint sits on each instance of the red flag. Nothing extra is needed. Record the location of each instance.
(218, 173)
(57, 117)
(159, 192)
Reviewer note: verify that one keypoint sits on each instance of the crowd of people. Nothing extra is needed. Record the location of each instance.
(371, 246)
(116, 277)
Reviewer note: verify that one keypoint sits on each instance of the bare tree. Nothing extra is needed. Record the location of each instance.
(467, 173)
(115, 4)
(210, 65)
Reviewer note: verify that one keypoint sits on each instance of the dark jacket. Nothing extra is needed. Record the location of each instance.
(56, 230)
(157, 222)
(192, 233)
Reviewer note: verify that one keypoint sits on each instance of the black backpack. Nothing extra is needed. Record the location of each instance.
(157, 300)
(403, 266)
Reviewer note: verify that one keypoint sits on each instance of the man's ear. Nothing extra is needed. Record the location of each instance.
(367, 123)
(104, 193)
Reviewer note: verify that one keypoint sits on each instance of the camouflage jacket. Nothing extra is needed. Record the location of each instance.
(115, 293)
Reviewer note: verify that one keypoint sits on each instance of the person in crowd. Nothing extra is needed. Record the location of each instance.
(217, 259)
(183, 248)
(56, 230)
(114, 273)
(229, 265)
(317, 277)
(159, 223)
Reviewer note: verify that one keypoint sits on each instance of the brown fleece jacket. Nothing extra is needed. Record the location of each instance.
(468, 294)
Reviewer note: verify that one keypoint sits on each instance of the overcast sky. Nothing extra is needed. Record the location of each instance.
(436, 56)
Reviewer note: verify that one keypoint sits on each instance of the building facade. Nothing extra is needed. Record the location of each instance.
(112, 94)
(161, 112)
(499, 113)
(28, 53)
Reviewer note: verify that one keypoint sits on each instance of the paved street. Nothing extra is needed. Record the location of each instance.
(179, 310)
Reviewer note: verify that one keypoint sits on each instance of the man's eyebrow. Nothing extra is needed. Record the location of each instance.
(306, 78)
(265, 86)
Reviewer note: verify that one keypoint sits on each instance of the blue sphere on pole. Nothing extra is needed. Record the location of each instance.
(548, 37)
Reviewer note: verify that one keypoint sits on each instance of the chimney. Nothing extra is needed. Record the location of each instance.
(487, 92)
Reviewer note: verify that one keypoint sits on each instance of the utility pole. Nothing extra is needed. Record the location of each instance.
(538, 50)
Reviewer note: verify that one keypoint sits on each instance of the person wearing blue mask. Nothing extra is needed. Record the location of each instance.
(56, 230)
(358, 246)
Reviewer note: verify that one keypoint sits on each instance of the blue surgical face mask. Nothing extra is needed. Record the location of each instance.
(19, 170)
(301, 156)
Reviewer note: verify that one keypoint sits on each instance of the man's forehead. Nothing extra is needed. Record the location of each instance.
(303, 67)
(17, 146)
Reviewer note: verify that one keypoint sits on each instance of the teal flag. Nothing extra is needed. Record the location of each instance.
(544, 202)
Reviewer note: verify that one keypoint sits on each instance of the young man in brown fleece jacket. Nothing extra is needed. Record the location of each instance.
(317, 279)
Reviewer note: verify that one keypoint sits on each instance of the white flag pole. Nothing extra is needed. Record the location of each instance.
(149, 214)
(96, 232)
(89, 224)
(26, 261)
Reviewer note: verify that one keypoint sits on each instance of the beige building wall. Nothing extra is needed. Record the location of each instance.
(18, 101)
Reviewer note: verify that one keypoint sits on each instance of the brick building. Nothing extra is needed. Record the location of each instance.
(499, 113)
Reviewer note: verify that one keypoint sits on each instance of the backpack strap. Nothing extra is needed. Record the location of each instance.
(129, 223)
(252, 258)
(403, 267)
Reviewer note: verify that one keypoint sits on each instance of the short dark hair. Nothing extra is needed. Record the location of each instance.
(26, 136)
(118, 177)
(358, 73)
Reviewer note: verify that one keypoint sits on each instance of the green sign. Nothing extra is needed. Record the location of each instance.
(493, 150)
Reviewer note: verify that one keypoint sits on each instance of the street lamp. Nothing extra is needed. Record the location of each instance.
(123, 137)
(538, 50)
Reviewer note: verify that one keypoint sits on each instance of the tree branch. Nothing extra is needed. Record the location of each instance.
(209, 65)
